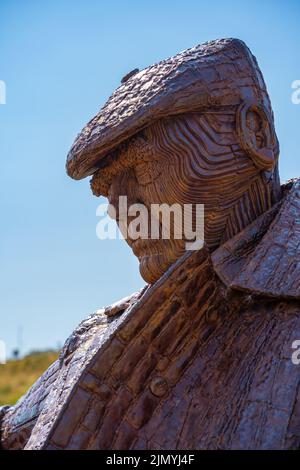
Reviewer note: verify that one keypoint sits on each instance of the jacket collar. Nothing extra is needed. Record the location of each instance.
(264, 259)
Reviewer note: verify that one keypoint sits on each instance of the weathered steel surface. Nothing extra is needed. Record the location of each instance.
(192, 363)
(214, 74)
(19, 420)
(274, 267)
(202, 357)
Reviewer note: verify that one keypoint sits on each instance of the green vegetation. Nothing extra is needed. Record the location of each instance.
(17, 376)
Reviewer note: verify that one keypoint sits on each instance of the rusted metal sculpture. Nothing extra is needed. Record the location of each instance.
(201, 357)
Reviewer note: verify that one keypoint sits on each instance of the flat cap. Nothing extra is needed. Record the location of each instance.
(217, 73)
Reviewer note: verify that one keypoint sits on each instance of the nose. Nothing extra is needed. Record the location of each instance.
(123, 184)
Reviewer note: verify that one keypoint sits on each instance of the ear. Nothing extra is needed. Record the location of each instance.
(256, 134)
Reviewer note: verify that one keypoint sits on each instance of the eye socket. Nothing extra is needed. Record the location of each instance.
(147, 172)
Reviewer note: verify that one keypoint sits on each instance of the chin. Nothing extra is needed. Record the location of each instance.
(153, 266)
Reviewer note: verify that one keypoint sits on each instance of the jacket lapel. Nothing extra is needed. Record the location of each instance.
(264, 259)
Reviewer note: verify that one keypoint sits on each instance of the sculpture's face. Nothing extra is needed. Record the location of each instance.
(190, 159)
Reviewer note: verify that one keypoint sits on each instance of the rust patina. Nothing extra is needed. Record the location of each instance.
(201, 357)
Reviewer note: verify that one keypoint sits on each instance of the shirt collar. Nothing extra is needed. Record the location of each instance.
(264, 259)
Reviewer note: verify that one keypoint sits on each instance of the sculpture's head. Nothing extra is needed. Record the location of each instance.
(194, 129)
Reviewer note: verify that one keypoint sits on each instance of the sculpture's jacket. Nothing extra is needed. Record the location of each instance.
(202, 359)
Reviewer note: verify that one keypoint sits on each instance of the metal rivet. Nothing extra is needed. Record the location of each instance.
(211, 315)
(159, 386)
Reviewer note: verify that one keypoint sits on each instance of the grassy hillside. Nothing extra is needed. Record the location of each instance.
(17, 376)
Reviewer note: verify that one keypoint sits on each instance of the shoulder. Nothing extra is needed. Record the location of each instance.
(100, 319)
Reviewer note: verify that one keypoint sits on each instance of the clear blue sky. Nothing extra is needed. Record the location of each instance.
(60, 61)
